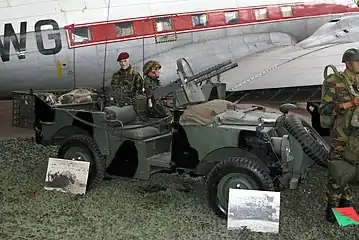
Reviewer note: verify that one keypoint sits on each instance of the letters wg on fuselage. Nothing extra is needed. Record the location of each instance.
(19, 43)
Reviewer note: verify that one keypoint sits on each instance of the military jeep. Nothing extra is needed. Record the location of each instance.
(205, 136)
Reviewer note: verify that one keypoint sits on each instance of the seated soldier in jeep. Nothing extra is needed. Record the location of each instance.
(151, 72)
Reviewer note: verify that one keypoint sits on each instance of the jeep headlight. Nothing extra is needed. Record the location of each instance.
(286, 151)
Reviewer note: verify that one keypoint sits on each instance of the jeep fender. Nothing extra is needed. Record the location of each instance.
(214, 157)
(65, 132)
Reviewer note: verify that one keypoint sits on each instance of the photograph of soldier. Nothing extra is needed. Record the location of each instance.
(337, 112)
(125, 83)
(151, 73)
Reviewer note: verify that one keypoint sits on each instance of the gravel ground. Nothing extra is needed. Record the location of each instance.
(166, 207)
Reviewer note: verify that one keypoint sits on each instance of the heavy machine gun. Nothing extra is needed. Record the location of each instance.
(189, 87)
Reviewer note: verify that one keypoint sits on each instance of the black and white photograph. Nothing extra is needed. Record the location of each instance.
(255, 210)
(67, 176)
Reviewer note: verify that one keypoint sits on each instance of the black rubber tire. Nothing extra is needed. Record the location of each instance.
(235, 165)
(297, 128)
(97, 164)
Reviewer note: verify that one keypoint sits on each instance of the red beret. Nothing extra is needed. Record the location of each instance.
(123, 55)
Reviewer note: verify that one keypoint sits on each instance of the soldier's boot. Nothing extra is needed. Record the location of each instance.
(345, 203)
(347, 197)
(334, 194)
(329, 214)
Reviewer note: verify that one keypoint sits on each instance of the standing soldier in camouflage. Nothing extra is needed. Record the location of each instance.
(151, 73)
(126, 82)
(336, 110)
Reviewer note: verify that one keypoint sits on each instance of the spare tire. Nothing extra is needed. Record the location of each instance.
(310, 140)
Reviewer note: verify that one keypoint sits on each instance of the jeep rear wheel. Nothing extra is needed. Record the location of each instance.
(310, 140)
(238, 173)
(84, 148)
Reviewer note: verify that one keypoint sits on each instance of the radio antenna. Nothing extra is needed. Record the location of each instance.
(105, 57)
(103, 97)
(71, 28)
(143, 46)
(74, 67)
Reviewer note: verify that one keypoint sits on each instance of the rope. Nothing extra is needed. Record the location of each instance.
(273, 68)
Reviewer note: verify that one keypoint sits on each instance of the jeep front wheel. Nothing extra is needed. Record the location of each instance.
(238, 173)
(84, 148)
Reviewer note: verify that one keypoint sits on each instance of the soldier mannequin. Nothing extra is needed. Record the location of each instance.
(151, 72)
(126, 79)
(337, 101)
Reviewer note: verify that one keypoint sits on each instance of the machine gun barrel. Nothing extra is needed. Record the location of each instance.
(164, 91)
(209, 70)
(216, 72)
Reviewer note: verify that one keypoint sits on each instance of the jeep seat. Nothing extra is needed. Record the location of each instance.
(140, 132)
(125, 114)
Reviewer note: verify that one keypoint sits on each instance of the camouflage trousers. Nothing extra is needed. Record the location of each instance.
(335, 192)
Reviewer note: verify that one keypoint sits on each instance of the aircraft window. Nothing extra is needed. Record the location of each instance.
(287, 11)
(199, 20)
(81, 35)
(163, 24)
(231, 17)
(124, 29)
(261, 13)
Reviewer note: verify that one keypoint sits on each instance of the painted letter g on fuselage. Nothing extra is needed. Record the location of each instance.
(51, 36)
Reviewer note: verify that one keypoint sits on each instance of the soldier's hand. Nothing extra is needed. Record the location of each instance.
(356, 101)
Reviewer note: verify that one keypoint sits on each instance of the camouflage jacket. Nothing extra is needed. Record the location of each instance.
(128, 81)
(334, 101)
(150, 83)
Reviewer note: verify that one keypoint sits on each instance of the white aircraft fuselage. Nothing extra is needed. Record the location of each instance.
(49, 44)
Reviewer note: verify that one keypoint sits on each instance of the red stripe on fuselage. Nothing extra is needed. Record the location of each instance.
(144, 27)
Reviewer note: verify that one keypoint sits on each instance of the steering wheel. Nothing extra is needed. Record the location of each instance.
(184, 69)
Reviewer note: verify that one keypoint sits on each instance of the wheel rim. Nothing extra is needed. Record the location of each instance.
(232, 180)
(78, 154)
(315, 135)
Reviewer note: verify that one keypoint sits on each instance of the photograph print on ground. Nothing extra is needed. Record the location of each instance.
(67, 176)
(255, 210)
